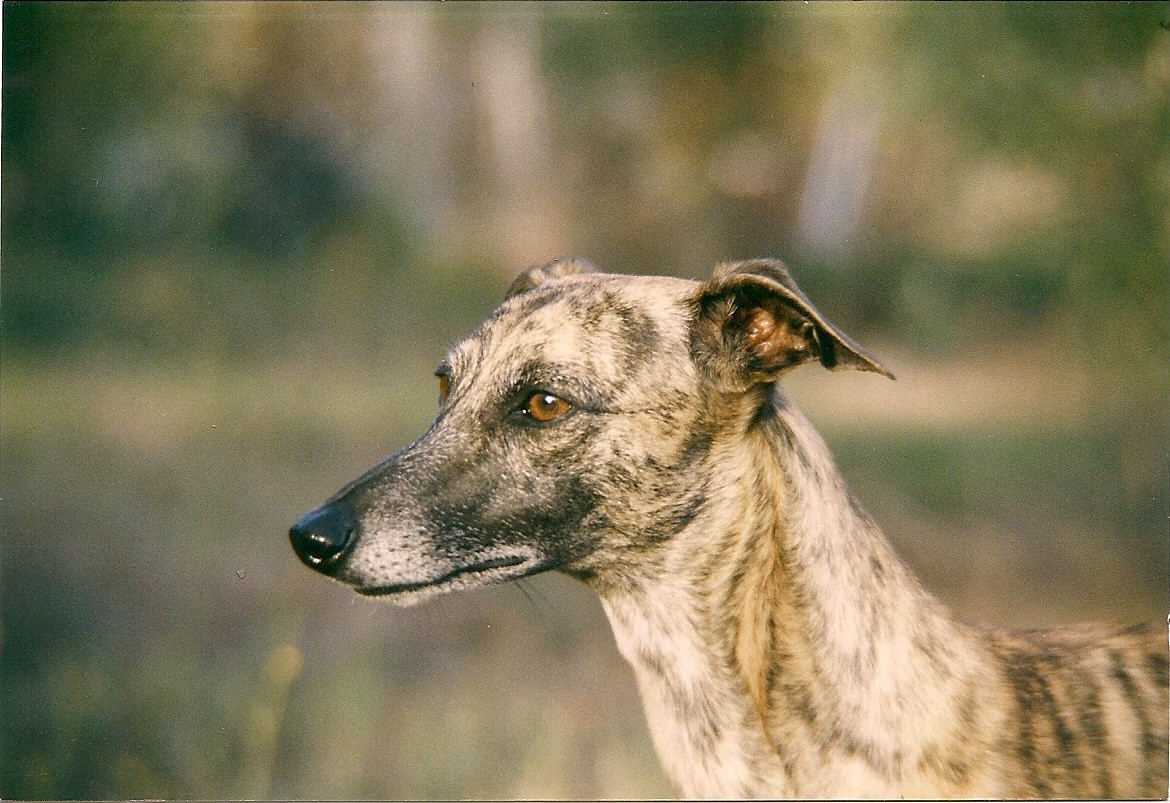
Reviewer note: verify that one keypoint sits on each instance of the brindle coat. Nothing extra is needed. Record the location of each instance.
(628, 431)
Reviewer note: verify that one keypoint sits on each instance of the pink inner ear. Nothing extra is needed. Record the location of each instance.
(761, 333)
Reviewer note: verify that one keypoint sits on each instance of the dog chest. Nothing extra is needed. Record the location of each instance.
(704, 731)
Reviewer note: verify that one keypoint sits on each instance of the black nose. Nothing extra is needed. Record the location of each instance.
(320, 536)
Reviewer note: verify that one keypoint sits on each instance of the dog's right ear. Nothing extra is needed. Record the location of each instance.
(534, 276)
(753, 323)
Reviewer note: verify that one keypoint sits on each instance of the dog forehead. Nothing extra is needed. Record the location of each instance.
(599, 312)
(594, 290)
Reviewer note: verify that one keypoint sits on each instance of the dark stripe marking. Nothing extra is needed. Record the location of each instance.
(1149, 744)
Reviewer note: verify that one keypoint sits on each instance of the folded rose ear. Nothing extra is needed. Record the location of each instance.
(536, 275)
(753, 323)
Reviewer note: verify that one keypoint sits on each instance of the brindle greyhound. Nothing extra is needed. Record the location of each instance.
(628, 431)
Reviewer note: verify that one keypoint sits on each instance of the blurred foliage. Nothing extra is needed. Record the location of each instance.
(141, 133)
(237, 237)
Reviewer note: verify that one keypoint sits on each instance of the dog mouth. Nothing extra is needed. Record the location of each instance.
(490, 570)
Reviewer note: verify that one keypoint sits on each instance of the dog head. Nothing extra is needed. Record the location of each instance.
(573, 430)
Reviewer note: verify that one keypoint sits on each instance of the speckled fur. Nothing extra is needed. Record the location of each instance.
(780, 646)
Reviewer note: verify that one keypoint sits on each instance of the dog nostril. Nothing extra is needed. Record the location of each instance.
(321, 535)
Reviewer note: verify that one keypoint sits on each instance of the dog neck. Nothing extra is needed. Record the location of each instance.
(785, 649)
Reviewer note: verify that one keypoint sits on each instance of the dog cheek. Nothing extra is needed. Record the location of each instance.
(658, 490)
(503, 500)
(565, 526)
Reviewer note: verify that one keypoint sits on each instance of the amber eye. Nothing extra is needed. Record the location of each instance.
(545, 407)
(444, 387)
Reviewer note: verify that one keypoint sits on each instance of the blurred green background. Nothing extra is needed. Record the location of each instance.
(238, 238)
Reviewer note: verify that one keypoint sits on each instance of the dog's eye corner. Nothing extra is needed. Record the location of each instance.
(545, 408)
(444, 387)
